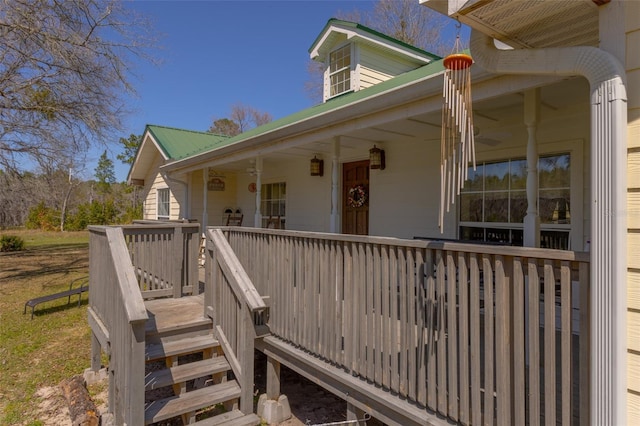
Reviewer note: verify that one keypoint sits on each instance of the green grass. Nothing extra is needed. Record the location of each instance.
(55, 345)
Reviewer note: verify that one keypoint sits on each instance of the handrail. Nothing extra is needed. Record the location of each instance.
(117, 316)
(231, 299)
(233, 270)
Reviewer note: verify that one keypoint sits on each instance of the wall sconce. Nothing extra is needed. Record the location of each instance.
(376, 158)
(316, 168)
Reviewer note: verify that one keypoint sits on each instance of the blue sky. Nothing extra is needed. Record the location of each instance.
(218, 53)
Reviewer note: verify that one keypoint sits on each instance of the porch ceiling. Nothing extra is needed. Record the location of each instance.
(497, 119)
(528, 24)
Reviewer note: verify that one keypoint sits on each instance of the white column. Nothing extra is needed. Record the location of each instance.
(532, 219)
(257, 219)
(205, 202)
(334, 223)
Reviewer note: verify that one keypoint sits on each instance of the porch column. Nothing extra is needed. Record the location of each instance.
(205, 202)
(532, 219)
(257, 219)
(335, 183)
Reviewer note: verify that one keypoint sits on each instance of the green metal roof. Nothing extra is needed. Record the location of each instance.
(421, 73)
(178, 143)
(174, 141)
(357, 26)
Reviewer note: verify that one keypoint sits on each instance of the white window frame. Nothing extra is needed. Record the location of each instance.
(349, 69)
(160, 194)
(269, 203)
(575, 149)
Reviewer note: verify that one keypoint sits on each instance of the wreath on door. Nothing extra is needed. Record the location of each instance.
(357, 196)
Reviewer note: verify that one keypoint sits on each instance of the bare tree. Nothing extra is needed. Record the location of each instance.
(64, 69)
(241, 118)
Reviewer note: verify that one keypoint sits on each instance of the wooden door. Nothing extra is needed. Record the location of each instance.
(355, 208)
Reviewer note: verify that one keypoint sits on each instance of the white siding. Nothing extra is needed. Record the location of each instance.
(154, 181)
(217, 201)
(375, 66)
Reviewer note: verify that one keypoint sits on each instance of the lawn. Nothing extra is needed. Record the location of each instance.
(56, 344)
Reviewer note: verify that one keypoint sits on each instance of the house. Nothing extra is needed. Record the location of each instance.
(557, 129)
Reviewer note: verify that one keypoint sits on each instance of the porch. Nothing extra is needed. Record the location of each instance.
(409, 331)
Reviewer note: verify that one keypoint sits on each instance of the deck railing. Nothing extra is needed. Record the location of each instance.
(165, 257)
(231, 300)
(479, 334)
(117, 316)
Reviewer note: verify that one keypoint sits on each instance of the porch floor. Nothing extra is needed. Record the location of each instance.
(170, 314)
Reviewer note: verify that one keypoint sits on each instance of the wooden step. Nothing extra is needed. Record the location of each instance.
(231, 418)
(167, 408)
(185, 346)
(182, 373)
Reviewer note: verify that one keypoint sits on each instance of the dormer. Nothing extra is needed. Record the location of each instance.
(356, 57)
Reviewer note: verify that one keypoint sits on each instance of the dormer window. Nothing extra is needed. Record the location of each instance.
(340, 70)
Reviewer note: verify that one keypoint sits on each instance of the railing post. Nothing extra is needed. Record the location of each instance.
(177, 262)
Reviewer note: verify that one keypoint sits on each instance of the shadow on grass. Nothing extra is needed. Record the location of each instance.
(44, 261)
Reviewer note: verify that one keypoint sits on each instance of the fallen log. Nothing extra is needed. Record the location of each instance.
(82, 410)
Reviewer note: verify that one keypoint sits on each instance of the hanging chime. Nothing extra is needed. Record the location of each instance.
(457, 148)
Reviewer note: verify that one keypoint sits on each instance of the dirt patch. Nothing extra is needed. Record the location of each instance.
(52, 407)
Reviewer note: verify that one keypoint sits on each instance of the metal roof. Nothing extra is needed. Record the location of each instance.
(177, 144)
(341, 102)
(353, 26)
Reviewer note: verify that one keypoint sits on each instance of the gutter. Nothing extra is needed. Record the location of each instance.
(608, 301)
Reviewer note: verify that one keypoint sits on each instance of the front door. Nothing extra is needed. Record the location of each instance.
(355, 198)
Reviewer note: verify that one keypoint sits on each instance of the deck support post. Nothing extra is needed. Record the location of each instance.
(354, 413)
(273, 407)
(273, 378)
(95, 353)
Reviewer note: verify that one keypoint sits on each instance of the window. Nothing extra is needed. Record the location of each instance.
(340, 71)
(163, 203)
(273, 202)
(493, 202)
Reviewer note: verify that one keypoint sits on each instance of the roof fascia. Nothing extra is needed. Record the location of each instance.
(142, 150)
(355, 31)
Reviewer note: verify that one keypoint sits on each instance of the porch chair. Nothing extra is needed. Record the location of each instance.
(234, 219)
(273, 222)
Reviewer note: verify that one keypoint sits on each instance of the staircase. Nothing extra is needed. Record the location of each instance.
(187, 374)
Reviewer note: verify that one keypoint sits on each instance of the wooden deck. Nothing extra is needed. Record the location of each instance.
(411, 332)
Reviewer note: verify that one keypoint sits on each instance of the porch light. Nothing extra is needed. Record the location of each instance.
(376, 158)
(316, 168)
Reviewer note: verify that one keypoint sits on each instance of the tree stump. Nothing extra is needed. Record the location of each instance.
(82, 410)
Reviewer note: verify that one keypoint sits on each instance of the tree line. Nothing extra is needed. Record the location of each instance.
(65, 74)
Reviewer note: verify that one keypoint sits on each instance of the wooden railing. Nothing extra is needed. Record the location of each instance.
(165, 257)
(479, 334)
(231, 300)
(117, 316)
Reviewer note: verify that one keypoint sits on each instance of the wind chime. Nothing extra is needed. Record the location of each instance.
(457, 148)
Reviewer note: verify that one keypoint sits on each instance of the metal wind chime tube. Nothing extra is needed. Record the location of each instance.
(457, 148)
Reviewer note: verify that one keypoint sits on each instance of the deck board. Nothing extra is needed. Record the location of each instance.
(170, 314)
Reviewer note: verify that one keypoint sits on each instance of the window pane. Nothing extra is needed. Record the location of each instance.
(471, 207)
(554, 171)
(519, 174)
(555, 206)
(471, 234)
(474, 181)
(496, 176)
(496, 207)
(518, 206)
